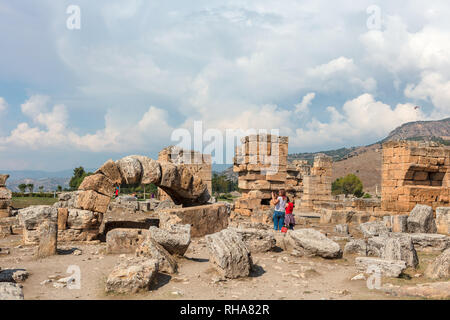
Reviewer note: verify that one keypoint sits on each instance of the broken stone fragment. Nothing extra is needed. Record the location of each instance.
(3, 178)
(124, 240)
(443, 220)
(257, 240)
(388, 268)
(132, 276)
(11, 291)
(313, 243)
(151, 249)
(440, 267)
(421, 220)
(48, 234)
(372, 229)
(228, 254)
(175, 239)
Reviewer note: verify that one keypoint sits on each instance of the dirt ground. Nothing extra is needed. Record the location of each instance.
(277, 275)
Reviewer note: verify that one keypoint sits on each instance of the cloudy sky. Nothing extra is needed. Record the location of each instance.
(328, 74)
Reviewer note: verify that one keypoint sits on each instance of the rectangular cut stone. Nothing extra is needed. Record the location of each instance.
(93, 201)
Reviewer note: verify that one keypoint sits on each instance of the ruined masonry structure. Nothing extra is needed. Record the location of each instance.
(317, 185)
(414, 173)
(197, 163)
(262, 165)
(5, 197)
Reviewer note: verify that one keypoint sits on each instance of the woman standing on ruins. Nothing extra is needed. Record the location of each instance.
(280, 209)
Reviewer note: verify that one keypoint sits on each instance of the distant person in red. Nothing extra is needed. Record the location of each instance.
(289, 219)
(116, 192)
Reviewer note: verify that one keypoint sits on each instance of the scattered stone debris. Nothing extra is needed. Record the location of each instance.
(11, 291)
(388, 268)
(440, 267)
(421, 220)
(311, 242)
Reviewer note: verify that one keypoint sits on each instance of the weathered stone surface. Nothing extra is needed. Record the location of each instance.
(67, 199)
(124, 240)
(169, 174)
(77, 235)
(83, 219)
(132, 276)
(130, 169)
(421, 220)
(99, 183)
(228, 254)
(5, 203)
(111, 171)
(357, 246)
(400, 248)
(430, 241)
(443, 220)
(388, 268)
(312, 242)
(166, 204)
(342, 229)
(372, 229)
(5, 193)
(151, 170)
(3, 178)
(151, 249)
(48, 235)
(256, 240)
(204, 220)
(31, 217)
(398, 223)
(13, 275)
(10, 291)
(175, 239)
(434, 290)
(92, 201)
(63, 215)
(440, 267)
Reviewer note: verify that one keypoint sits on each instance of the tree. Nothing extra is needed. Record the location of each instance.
(22, 187)
(350, 184)
(30, 187)
(221, 184)
(41, 188)
(78, 176)
(59, 188)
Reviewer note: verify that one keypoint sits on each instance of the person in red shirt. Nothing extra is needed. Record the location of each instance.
(289, 219)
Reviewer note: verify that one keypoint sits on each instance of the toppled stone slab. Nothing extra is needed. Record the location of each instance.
(421, 220)
(311, 242)
(257, 240)
(175, 239)
(372, 229)
(151, 249)
(440, 267)
(388, 268)
(204, 220)
(11, 291)
(228, 254)
(428, 241)
(124, 240)
(127, 221)
(79, 219)
(443, 220)
(357, 246)
(132, 276)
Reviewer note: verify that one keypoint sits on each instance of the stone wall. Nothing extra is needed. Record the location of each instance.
(414, 173)
(5, 197)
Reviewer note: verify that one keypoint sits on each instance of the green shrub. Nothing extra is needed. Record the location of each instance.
(350, 184)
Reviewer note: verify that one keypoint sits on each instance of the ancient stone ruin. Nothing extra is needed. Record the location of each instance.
(414, 173)
(5, 197)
